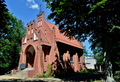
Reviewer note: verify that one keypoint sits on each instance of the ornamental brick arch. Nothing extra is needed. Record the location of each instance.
(30, 56)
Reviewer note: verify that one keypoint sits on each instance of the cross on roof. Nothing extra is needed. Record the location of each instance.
(40, 12)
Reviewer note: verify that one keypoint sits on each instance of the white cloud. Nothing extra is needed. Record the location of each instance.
(32, 4)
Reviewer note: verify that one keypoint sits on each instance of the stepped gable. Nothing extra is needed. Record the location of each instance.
(64, 39)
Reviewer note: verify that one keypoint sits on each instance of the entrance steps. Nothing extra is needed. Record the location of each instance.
(22, 73)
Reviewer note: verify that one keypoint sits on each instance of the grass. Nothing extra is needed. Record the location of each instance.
(10, 74)
(99, 79)
(64, 73)
(83, 72)
(44, 77)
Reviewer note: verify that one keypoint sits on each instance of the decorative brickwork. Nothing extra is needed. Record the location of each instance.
(43, 44)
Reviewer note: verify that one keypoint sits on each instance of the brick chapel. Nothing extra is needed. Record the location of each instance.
(43, 44)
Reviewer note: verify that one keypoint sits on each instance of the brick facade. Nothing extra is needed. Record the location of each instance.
(43, 44)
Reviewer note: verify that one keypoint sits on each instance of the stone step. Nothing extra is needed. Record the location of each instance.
(22, 73)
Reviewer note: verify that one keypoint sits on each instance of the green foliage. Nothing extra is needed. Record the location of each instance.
(92, 70)
(114, 28)
(83, 72)
(11, 35)
(40, 75)
(10, 74)
(85, 51)
(88, 71)
(49, 70)
(99, 59)
(4, 18)
(63, 73)
(117, 76)
(101, 4)
(90, 18)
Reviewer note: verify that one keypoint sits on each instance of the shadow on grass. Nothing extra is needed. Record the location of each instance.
(83, 78)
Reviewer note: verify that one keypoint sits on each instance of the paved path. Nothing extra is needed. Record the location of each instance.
(82, 78)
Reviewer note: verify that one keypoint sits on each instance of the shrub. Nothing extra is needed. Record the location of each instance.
(117, 76)
(10, 74)
(40, 75)
(63, 72)
(49, 70)
(92, 70)
(83, 72)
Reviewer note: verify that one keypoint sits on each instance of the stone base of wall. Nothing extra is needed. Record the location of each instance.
(13, 72)
(31, 73)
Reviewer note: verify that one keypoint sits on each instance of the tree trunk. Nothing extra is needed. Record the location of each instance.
(107, 59)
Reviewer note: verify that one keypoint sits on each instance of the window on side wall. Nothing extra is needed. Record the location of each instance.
(45, 56)
(61, 55)
(78, 59)
(71, 58)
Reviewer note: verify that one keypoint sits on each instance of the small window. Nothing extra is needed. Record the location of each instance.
(38, 24)
(71, 58)
(32, 31)
(79, 59)
(61, 52)
(61, 57)
(35, 36)
(71, 55)
(45, 56)
(41, 22)
(28, 32)
(45, 31)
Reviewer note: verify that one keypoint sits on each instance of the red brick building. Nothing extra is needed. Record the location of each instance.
(43, 44)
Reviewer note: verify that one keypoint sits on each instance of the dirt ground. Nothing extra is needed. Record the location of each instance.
(83, 78)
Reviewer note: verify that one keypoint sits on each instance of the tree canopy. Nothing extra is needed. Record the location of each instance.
(83, 18)
(11, 32)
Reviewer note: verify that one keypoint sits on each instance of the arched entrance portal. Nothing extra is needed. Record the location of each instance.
(30, 55)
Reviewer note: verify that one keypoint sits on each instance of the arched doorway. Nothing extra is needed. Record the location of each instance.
(30, 55)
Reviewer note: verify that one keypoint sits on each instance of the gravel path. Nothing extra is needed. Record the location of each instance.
(83, 78)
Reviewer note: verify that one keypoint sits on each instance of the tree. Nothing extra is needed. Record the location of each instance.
(11, 32)
(97, 50)
(85, 51)
(83, 18)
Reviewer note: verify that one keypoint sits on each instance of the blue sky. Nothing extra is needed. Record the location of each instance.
(27, 10)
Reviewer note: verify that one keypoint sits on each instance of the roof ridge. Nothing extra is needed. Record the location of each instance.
(61, 37)
(79, 42)
(67, 41)
(50, 22)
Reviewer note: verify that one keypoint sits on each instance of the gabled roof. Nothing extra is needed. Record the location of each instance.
(63, 39)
